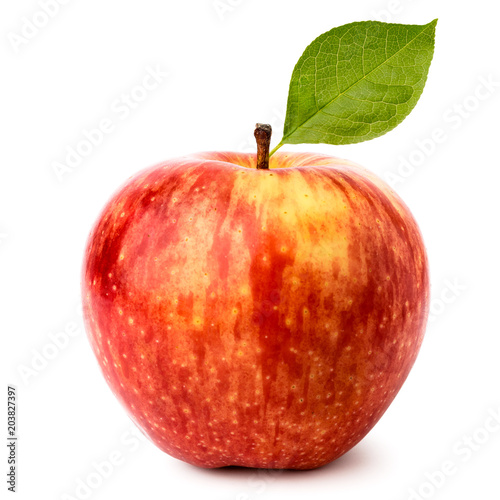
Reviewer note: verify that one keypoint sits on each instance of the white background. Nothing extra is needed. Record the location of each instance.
(228, 69)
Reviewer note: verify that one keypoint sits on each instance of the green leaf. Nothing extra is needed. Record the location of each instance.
(356, 82)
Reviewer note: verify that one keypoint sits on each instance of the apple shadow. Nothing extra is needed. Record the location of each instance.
(361, 457)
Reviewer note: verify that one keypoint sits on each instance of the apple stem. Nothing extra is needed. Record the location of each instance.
(262, 135)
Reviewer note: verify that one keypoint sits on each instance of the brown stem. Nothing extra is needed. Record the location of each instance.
(262, 135)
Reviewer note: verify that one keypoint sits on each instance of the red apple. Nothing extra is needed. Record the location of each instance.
(255, 317)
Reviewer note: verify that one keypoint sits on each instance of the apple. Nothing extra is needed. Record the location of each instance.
(255, 314)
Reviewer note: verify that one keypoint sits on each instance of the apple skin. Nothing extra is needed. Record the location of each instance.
(260, 318)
